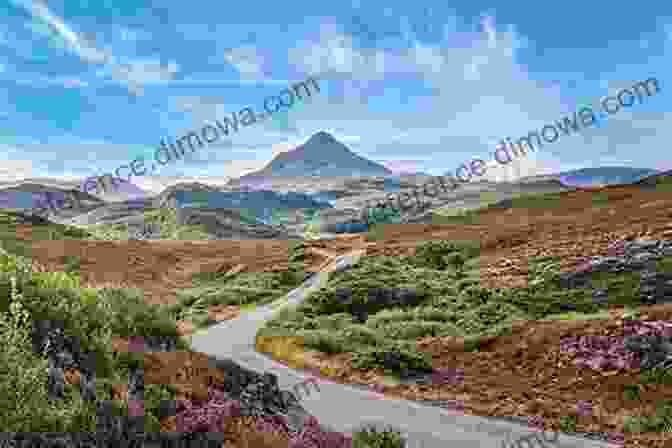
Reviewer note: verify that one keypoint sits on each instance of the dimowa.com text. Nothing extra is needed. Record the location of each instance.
(370, 214)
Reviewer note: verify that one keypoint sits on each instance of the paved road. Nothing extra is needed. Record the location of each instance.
(345, 408)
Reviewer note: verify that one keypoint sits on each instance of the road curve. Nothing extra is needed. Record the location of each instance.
(345, 408)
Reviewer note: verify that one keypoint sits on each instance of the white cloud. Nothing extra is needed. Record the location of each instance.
(132, 73)
(14, 170)
(246, 60)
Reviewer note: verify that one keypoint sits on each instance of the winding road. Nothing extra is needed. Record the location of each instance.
(345, 408)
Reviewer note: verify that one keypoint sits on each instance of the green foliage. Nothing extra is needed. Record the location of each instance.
(39, 232)
(418, 329)
(336, 321)
(393, 358)
(484, 317)
(664, 265)
(92, 316)
(388, 316)
(108, 232)
(542, 270)
(568, 423)
(72, 264)
(154, 395)
(324, 341)
(661, 421)
(657, 375)
(56, 280)
(442, 254)
(371, 437)
(165, 217)
(361, 334)
(244, 288)
(631, 392)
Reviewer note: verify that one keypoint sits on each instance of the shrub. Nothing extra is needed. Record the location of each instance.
(484, 317)
(631, 392)
(361, 334)
(418, 329)
(442, 254)
(23, 375)
(336, 321)
(324, 341)
(659, 422)
(656, 375)
(388, 316)
(392, 358)
(433, 314)
(371, 437)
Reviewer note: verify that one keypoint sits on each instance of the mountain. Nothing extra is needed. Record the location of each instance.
(604, 175)
(321, 155)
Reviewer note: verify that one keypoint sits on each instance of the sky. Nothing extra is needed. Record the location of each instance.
(87, 86)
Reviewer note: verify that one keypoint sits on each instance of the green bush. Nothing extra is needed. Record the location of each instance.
(433, 314)
(418, 329)
(656, 375)
(361, 334)
(568, 423)
(661, 421)
(336, 321)
(24, 404)
(441, 254)
(154, 395)
(371, 437)
(92, 316)
(324, 341)
(631, 392)
(388, 316)
(484, 317)
(392, 358)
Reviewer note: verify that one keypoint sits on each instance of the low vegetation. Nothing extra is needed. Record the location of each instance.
(94, 316)
(242, 289)
(378, 309)
(165, 219)
(40, 230)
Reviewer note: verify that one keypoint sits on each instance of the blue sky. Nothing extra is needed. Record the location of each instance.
(87, 86)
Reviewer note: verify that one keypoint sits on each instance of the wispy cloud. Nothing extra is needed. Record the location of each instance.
(132, 73)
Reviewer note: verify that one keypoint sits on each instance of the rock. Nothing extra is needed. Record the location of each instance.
(654, 350)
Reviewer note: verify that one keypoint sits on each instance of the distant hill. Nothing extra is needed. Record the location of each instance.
(321, 155)
(661, 178)
(605, 175)
(260, 204)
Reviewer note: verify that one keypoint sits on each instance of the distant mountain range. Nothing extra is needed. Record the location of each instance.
(322, 176)
(604, 175)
